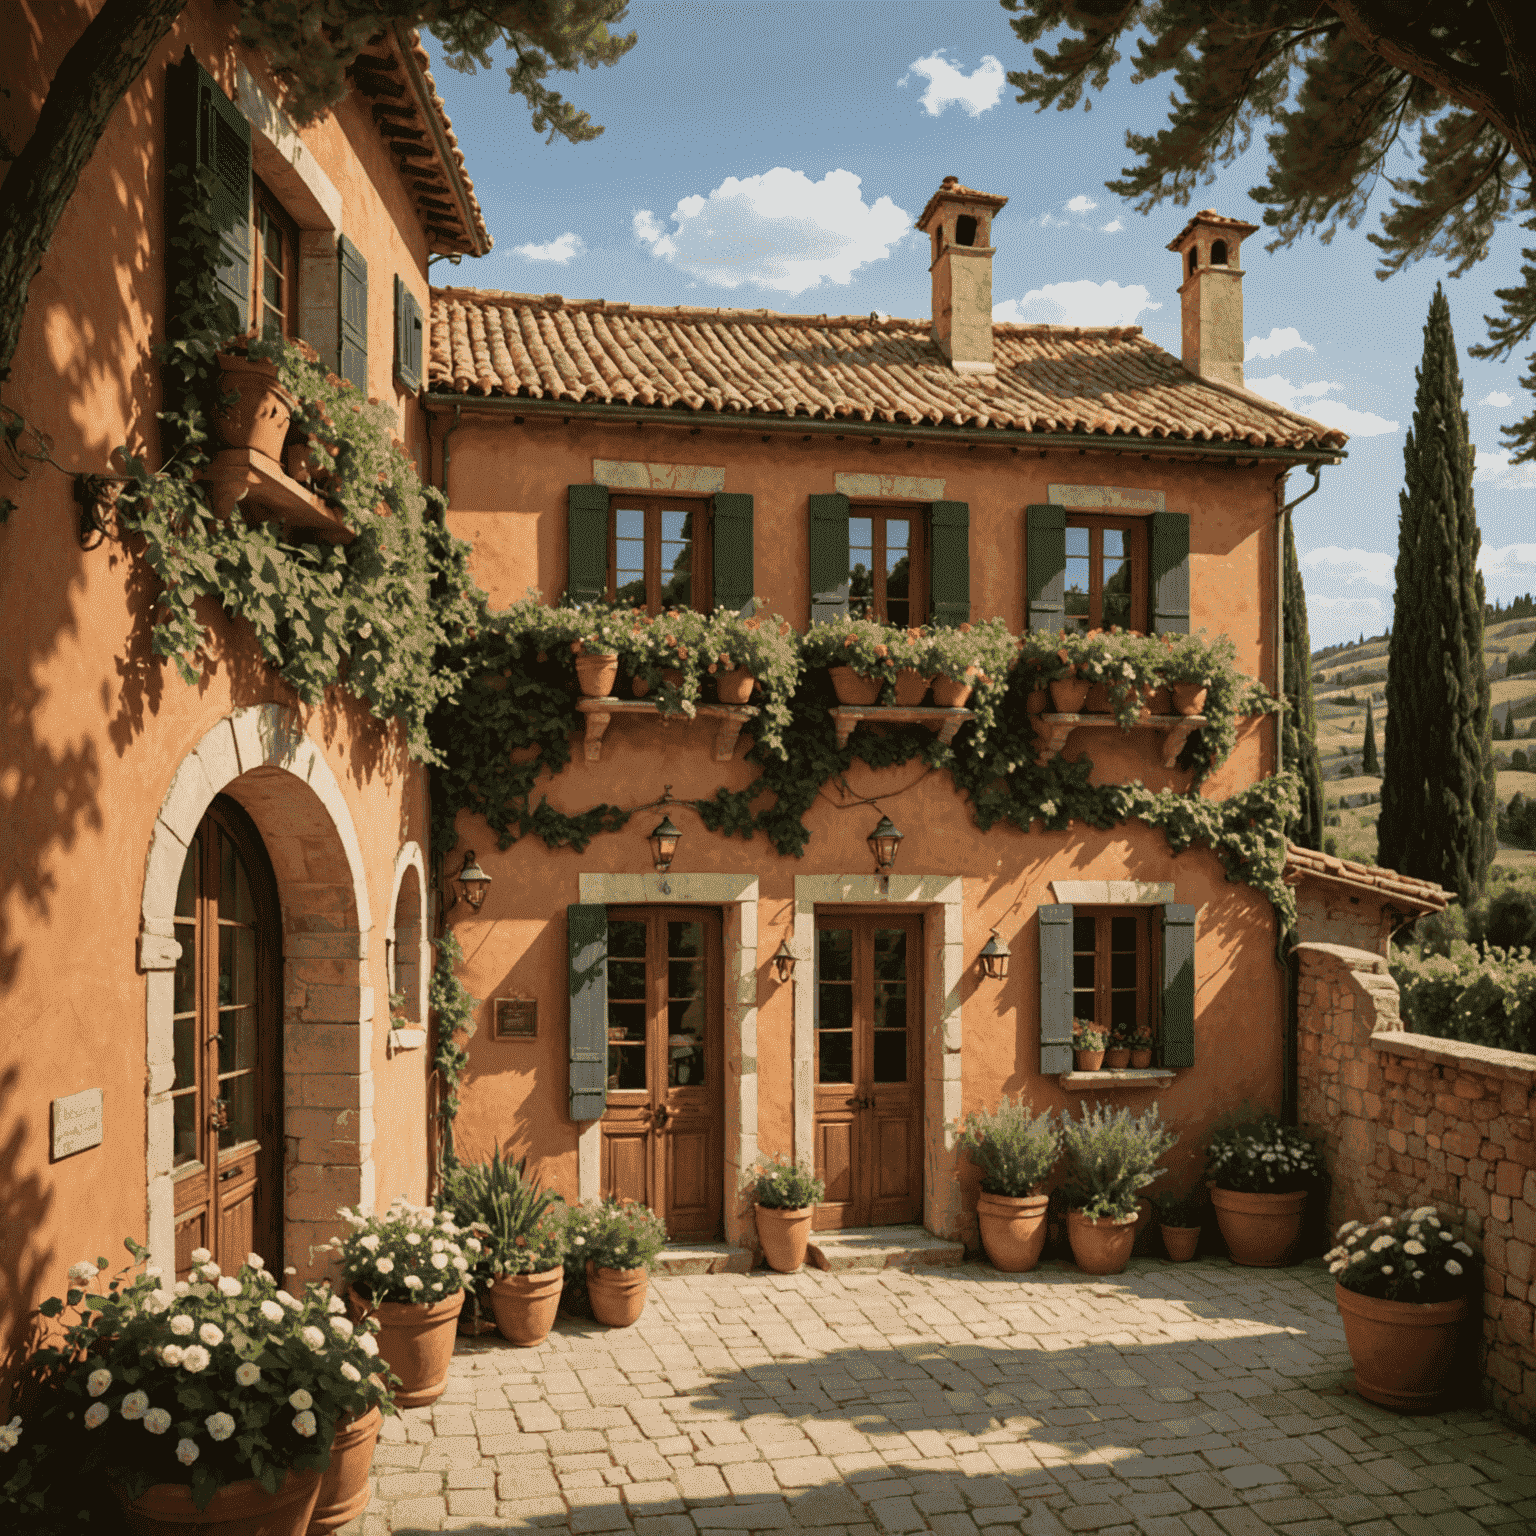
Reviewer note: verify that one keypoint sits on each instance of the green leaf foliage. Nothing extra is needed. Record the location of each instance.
(1299, 727)
(1014, 1148)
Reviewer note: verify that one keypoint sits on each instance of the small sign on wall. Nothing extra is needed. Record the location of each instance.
(76, 1123)
(515, 1018)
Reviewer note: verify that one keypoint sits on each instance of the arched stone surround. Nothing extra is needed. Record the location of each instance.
(409, 965)
(261, 757)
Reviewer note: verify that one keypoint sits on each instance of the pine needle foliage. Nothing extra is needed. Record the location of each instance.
(1299, 723)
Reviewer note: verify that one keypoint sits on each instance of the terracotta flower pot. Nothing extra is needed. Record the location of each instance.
(526, 1305)
(1100, 1245)
(1097, 702)
(344, 1491)
(911, 685)
(1012, 1230)
(259, 419)
(1403, 1352)
(734, 687)
(1117, 1056)
(1159, 701)
(1189, 698)
(1068, 695)
(785, 1236)
(617, 1295)
(1087, 1061)
(238, 1509)
(672, 675)
(596, 675)
(639, 687)
(415, 1342)
(1260, 1230)
(1038, 699)
(850, 688)
(1181, 1242)
(948, 694)
(299, 464)
(1141, 1058)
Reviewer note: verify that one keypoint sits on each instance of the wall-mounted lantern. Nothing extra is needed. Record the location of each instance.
(994, 958)
(783, 962)
(664, 841)
(884, 842)
(472, 881)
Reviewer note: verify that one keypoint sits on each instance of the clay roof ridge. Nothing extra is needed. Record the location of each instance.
(1270, 407)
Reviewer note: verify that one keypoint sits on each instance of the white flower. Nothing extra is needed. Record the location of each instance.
(1434, 1221)
(313, 1337)
(242, 1342)
(413, 1238)
(157, 1421)
(247, 1373)
(300, 1400)
(1359, 1256)
(437, 1285)
(98, 1381)
(211, 1271)
(438, 1245)
(229, 1286)
(1452, 1267)
(386, 1265)
(370, 1242)
(368, 1344)
(343, 1326)
(220, 1426)
(578, 1242)
(439, 1261)
(271, 1311)
(135, 1405)
(200, 1255)
(1349, 1226)
(187, 1451)
(350, 1371)
(1382, 1243)
(1412, 1247)
(10, 1434)
(1336, 1266)
(84, 1270)
(1423, 1213)
(195, 1359)
(1386, 1269)
(1462, 1248)
(289, 1301)
(335, 1304)
(96, 1415)
(182, 1288)
(413, 1282)
(1418, 1274)
(182, 1325)
(211, 1335)
(158, 1301)
(170, 1354)
(473, 1244)
(255, 1261)
(461, 1264)
(304, 1424)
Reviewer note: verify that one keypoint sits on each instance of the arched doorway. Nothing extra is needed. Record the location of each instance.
(227, 1096)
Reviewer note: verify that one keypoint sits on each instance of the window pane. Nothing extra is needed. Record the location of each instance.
(629, 556)
(1122, 970)
(184, 996)
(898, 571)
(626, 937)
(1077, 542)
(890, 1056)
(861, 566)
(834, 1049)
(1122, 1010)
(626, 979)
(834, 954)
(890, 954)
(1116, 579)
(185, 1033)
(1122, 932)
(890, 1005)
(676, 559)
(1077, 593)
(239, 1095)
(684, 939)
(186, 890)
(237, 965)
(685, 1004)
(185, 1129)
(626, 1066)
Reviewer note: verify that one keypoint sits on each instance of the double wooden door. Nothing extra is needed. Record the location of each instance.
(869, 1086)
(227, 1091)
(662, 1132)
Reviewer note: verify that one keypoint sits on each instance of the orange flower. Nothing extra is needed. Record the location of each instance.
(575, 647)
(882, 652)
(965, 628)
(847, 642)
(784, 628)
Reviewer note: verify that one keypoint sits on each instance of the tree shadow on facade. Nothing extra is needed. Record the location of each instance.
(25, 1201)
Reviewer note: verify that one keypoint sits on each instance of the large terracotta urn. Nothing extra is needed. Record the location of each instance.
(617, 1295)
(1403, 1352)
(259, 415)
(1012, 1230)
(416, 1342)
(785, 1236)
(1100, 1245)
(1260, 1229)
(238, 1509)
(596, 675)
(344, 1491)
(526, 1305)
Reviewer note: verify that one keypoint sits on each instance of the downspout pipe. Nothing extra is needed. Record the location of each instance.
(448, 432)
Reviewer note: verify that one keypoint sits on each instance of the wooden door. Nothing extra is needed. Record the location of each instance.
(663, 1133)
(227, 1090)
(869, 1065)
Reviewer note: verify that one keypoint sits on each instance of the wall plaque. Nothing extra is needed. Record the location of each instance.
(76, 1123)
(516, 1018)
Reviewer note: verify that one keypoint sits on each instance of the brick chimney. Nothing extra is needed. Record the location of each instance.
(1212, 295)
(958, 222)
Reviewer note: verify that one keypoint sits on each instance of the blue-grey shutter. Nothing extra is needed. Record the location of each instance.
(829, 558)
(408, 330)
(1178, 1026)
(587, 930)
(1045, 566)
(731, 531)
(586, 532)
(949, 569)
(353, 309)
(1170, 573)
(1055, 988)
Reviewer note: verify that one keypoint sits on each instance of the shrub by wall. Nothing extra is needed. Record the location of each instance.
(1483, 996)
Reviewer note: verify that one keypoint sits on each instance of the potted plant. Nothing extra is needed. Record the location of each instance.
(860, 656)
(970, 665)
(1260, 1172)
(212, 1402)
(1068, 691)
(760, 650)
(1117, 1052)
(616, 1243)
(1015, 1151)
(596, 648)
(1088, 1044)
(1403, 1284)
(254, 407)
(1114, 1155)
(407, 1269)
(1141, 1045)
(1181, 1218)
(1186, 667)
(665, 655)
(913, 679)
(785, 1195)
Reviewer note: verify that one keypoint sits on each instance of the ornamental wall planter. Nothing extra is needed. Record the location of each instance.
(948, 694)
(734, 687)
(1101, 1245)
(258, 418)
(526, 1305)
(1261, 1230)
(596, 675)
(415, 1341)
(1012, 1230)
(785, 1235)
(237, 1509)
(1403, 1352)
(617, 1295)
(911, 687)
(344, 1490)
(850, 688)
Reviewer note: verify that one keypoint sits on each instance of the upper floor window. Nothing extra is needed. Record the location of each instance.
(1112, 967)
(885, 565)
(1106, 573)
(272, 303)
(659, 555)
(904, 563)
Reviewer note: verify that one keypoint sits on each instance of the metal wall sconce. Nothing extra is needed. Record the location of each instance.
(664, 840)
(884, 842)
(783, 962)
(994, 958)
(472, 882)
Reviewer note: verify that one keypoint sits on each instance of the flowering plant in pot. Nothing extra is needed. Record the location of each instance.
(254, 406)
(1015, 1149)
(1261, 1173)
(969, 664)
(1088, 1045)
(785, 1195)
(1181, 1217)
(1117, 1051)
(664, 656)
(862, 656)
(615, 1244)
(601, 633)
(761, 649)
(1403, 1285)
(1141, 1045)
(219, 1394)
(1113, 1156)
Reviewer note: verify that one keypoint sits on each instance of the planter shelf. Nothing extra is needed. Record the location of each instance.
(1051, 732)
(600, 712)
(1117, 1077)
(846, 716)
(270, 495)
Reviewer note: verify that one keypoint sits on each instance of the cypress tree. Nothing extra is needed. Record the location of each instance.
(1368, 763)
(1438, 808)
(1299, 725)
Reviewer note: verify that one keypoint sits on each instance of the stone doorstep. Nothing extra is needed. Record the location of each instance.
(881, 1248)
(704, 1259)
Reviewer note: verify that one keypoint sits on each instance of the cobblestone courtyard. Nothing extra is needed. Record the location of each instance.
(1173, 1400)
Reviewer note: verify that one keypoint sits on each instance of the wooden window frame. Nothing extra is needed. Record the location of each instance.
(262, 201)
(1137, 548)
(1148, 988)
(918, 593)
(653, 505)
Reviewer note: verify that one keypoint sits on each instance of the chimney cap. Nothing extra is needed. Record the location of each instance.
(1209, 217)
(952, 192)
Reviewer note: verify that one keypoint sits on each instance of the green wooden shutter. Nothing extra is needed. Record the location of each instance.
(829, 557)
(1055, 988)
(587, 543)
(353, 333)
(408, 330)
(732, 534)
(949, 578)
(1178, 1031)
(587, 931)
(1170, 573)
(1045, 560)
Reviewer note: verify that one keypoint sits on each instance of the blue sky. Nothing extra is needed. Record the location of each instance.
(815, 131)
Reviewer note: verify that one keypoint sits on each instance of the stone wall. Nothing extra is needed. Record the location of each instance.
(1412, 1120)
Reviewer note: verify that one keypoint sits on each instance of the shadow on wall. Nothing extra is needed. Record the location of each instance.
(24, 1265)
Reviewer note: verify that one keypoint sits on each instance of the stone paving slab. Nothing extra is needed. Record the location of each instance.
(881, 1248)
(1173, 1400)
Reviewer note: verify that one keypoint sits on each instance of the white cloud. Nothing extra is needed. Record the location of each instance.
(1494, 472)
(1112, 228)
(1512, 560)
(950, 86)
(1368, 565)
(778, 230)
(1077, 303)
(1305, 399)
(1280, 339)
(1080, 204)
(1497, 398)
(559, 251)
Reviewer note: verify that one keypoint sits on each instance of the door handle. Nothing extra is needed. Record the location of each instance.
(662, 1115)
(218, 1115)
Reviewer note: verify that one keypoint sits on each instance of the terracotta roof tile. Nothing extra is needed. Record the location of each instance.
(1303, 863)
(1110, 381)
(1219, 220)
